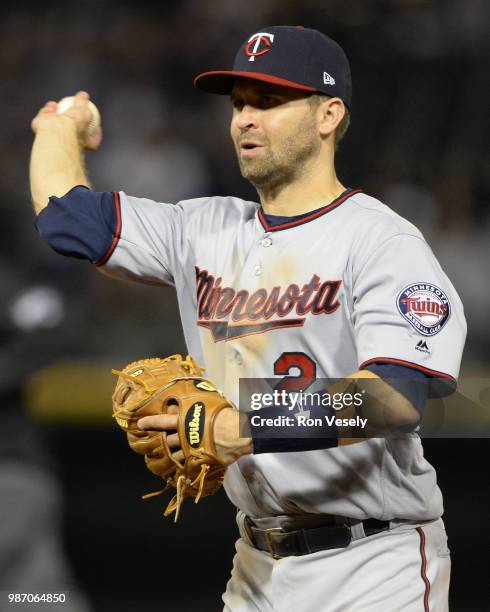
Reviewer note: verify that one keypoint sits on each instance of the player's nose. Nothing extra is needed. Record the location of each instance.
(247, 118)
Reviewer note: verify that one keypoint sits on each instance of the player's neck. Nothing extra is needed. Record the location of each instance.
(308, 192)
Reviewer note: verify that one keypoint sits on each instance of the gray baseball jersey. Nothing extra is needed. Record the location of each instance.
(349, 284)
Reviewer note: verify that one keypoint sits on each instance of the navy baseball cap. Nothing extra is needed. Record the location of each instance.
(291, 56)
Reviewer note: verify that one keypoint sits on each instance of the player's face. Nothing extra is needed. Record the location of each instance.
(274, 131)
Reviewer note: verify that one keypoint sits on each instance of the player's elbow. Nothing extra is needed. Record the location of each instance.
(409, 417)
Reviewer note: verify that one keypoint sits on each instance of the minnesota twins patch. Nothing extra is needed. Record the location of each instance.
(425, 307)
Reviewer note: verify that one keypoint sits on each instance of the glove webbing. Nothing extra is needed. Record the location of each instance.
(181, 486)
(149, 391)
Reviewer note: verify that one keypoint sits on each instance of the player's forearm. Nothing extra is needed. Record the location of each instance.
(229, 443)
(57, 161)
(383, 409)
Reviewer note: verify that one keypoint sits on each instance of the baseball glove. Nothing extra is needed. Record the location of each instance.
(172, 386)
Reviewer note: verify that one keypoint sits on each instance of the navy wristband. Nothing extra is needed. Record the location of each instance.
(289, 436)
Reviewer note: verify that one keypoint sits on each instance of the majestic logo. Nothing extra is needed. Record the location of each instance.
(258, 44)
(422, 347)
(425, 307)
(194, 424)
(231, 314)
(328, 79)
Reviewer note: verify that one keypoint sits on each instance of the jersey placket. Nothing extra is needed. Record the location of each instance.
(250, 279)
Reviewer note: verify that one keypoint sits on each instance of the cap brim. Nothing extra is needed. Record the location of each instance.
(221, 81)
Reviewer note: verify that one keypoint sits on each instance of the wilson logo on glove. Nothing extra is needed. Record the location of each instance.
(204, 385)
(194, 425)
(121, 422)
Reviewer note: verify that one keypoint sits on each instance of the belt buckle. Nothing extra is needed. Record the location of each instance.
(269, 541)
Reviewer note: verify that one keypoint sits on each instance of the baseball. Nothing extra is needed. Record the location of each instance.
(65, 103)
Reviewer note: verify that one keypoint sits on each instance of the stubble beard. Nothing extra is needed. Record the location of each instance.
(288, 161)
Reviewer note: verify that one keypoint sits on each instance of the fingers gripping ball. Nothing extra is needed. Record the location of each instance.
(65, 103)
(172, 386)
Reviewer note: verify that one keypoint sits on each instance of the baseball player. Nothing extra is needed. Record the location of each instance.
(318, 280)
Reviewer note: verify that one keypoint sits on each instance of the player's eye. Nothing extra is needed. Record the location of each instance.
(269, 101)
(237, 103)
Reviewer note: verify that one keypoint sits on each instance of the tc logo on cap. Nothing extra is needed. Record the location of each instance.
(258, 44)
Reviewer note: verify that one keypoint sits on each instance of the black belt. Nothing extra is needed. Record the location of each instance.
(280, 543)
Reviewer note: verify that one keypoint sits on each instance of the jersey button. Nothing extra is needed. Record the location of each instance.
(266, 242)
(257, 270)
(238, 359)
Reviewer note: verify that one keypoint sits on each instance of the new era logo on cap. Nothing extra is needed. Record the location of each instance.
(288, 56)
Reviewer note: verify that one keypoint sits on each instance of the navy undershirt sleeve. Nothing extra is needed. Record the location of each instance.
(82, 223)
(411, 383)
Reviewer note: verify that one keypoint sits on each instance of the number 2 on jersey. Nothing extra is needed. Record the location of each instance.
(307, 371)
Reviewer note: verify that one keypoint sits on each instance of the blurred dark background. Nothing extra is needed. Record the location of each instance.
(418, 141)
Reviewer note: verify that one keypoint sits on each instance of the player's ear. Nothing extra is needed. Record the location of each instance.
(331, 112)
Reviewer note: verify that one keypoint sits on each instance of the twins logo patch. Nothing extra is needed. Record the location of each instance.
(425, 307)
